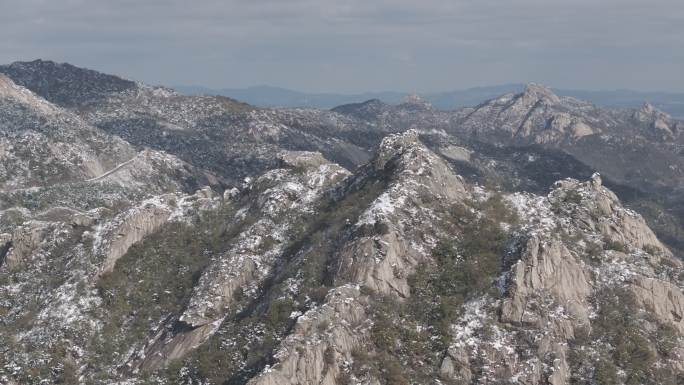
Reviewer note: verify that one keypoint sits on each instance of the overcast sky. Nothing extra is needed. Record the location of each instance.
(358, 45)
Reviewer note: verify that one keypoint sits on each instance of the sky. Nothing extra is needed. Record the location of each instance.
(358, 45)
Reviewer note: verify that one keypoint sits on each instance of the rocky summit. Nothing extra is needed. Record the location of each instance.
(148, 237)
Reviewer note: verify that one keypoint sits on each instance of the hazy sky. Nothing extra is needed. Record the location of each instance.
(358, 45)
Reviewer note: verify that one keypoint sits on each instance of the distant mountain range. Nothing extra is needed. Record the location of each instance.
(267, 96)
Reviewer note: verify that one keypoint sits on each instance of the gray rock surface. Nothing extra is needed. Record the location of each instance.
(150, 237)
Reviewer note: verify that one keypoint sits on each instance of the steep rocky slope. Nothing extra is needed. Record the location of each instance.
(612, 141)
(216, 243)
(237, 140)
(638, 151)
(604, 139)
(35, 132)
(229, 138)
(401, 272)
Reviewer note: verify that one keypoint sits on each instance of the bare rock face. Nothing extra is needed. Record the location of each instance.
(456, 153)
(303, 159)
(601, 210)
(160, 350)
(546, 266)
(659, 121)
(548, 293)
(535, 93)
(420, 180)
(301, 272)
(248, 262)
(563, 125)
(322, 340)
(552, 291)
(580, 129)
(25, 241)
(414, 102)
(390, 237)
(535, 115)
(455, 365)
(661, 298)
(113, 238)
(548, 273)
(5, 246)
(281, 196)
(130, 229)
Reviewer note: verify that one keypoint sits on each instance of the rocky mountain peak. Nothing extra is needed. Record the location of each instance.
(648, 110)
(656, 119)
(538, 92)
(536, 114)
(393, 146)
(596, 180)
(432, 256)
(64, 84)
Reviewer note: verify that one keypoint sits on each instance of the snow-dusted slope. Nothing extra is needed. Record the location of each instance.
(149, 237)
(42, 144)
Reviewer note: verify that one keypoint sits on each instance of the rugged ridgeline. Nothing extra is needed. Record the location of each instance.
(639, 152)
(229, 138)
(639, 147)
(148, 237)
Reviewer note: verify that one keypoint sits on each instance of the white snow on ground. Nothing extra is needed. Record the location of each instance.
(381, 208)
(534, 211)
(465, 329)
(8, 89)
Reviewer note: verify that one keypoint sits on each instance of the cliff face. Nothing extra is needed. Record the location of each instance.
(424, 264)
(569, 249)
(578, 244)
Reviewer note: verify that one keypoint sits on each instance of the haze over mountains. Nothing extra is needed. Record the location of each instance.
(267, 96)
(151, 237)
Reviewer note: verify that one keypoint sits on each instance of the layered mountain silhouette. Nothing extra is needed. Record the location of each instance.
(267, 96)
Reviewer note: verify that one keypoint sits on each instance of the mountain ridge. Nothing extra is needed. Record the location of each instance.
(373, 244)
(261, 96)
